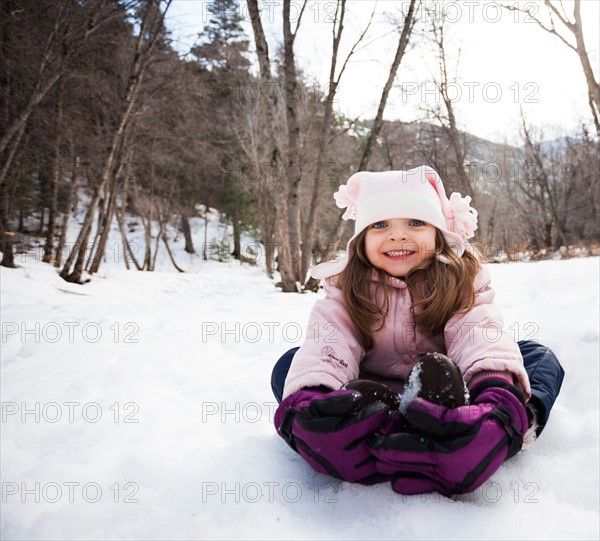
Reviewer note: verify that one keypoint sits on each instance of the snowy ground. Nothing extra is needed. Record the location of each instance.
(139, 406)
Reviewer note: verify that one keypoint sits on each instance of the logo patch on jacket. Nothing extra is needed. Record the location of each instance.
(328, 351)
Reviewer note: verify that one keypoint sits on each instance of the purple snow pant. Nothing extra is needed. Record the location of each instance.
(543, 368)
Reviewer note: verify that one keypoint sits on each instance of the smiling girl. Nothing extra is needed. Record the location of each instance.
(411, 290)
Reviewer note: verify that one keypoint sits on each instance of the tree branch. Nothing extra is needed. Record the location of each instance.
(299, 19)
(562, 18)
(540, 24)
(353, 50)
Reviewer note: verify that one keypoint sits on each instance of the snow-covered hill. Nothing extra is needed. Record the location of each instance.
(139, 406)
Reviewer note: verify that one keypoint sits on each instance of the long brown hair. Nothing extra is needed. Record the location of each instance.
(438, 289)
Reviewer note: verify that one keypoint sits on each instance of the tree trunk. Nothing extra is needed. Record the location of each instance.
(323, 146)
(65, 218)
(187, 233)
(204, 244)
(593, 86)
(237, 242)
(82, 239)
(6, 187)
(55, 175)
(491, 224)
(293, 170)
(156, 245)
(99, 227)
(107, 219)
(450, 127)
(127, 251)
(266, 216)
(6, 244)
(323, 139)
(282, 237)
(42, 220)
(171, 257)
(148, 237)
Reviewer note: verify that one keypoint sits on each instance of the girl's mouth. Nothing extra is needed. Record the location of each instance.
(399, 255)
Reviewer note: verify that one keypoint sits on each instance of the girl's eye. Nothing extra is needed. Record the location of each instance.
(417, 223)
(379, 225)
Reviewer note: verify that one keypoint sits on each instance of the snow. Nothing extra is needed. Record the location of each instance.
(412, 388)
(138, 406)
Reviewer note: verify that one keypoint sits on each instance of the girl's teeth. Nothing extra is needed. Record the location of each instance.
(399, 254)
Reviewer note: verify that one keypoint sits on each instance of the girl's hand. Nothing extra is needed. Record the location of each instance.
(454, 450)
(330, 431)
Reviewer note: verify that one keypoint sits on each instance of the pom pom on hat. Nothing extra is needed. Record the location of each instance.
(461, 218)
(344, 200)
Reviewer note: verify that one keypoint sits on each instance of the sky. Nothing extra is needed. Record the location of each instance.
(506, 61)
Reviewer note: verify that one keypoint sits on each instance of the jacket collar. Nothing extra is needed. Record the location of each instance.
(391, 280)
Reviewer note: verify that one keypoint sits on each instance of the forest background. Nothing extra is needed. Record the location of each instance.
(125, 109)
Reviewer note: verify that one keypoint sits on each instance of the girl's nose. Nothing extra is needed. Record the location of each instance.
(398, 233)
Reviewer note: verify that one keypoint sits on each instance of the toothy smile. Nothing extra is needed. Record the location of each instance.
(399, 253)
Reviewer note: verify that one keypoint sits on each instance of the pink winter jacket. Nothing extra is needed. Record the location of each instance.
(332, 353)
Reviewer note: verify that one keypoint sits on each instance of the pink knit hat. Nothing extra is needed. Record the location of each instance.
(418, 193)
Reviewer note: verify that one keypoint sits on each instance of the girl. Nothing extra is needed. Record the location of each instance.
(409, 285)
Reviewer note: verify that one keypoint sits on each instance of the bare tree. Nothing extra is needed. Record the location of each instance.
(542, 190)
(288, 281)
(71, 198)
(257, 151)
(407, 28)
(582, 165)
(293, 172)
(55, 174)
(149, 33)
(572, 29)
(112, 193)
(324, 138)
(447, 119)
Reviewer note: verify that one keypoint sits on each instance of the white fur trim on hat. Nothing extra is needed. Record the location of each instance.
(417, 193)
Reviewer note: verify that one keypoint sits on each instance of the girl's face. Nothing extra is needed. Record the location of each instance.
(400, 244)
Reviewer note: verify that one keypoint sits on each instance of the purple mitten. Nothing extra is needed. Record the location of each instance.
(456, 450)
(330, 432)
